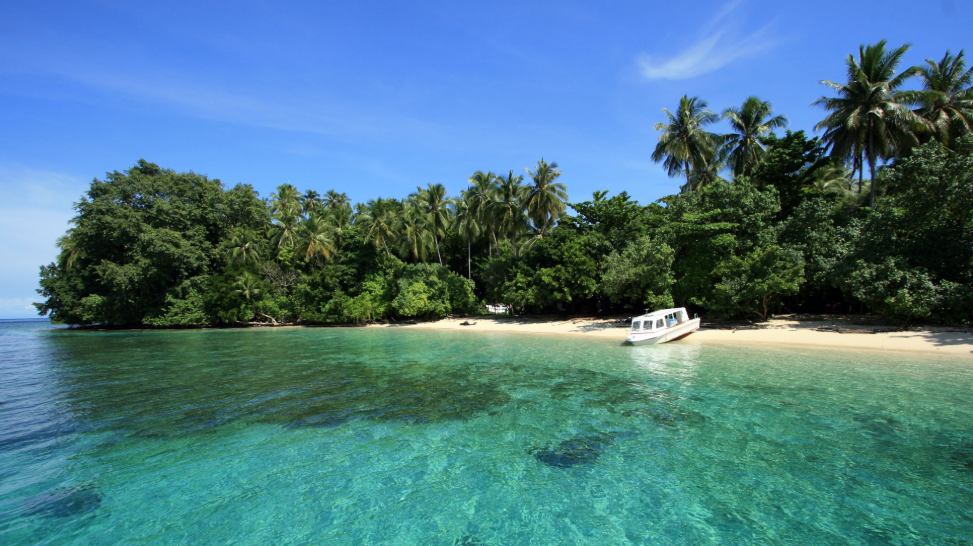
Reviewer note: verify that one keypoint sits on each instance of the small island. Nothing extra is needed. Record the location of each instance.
(763, 224)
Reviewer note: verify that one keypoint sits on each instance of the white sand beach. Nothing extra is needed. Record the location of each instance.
(850, 335)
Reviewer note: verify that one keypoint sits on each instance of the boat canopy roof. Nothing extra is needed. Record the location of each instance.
(662, 313)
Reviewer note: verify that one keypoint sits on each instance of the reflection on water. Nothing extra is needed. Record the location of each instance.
(351, 436)
(677, 359)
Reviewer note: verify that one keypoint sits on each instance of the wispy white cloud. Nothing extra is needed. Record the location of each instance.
(263, 106)
(718, 46)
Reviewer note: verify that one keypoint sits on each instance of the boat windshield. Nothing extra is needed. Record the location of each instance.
(636, 325)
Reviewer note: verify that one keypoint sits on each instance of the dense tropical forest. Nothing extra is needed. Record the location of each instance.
(875, 215)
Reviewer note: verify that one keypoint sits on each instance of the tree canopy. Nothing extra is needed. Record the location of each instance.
(764, 223)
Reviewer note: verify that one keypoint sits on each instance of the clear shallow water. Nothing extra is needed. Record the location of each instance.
(350, 436)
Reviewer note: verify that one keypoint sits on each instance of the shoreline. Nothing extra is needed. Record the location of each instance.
(849, 335)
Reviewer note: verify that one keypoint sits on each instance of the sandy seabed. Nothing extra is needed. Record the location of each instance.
(780, 331)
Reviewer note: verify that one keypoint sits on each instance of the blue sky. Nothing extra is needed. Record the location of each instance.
(376, 98)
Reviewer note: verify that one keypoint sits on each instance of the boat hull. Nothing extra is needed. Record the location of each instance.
(664, 336)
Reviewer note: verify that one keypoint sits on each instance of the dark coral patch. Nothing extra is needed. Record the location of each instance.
(573, 452)
(64, 504)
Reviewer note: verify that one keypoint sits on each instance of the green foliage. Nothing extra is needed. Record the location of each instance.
(752, 282)
(789, 164)
(914, 257)
(151, 247)
(139, 235)
(188, 311)
(641, 274)
(560, 269)
(432, 291)
(705, 228)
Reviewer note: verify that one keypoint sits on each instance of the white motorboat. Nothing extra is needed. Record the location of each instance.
(662, 326)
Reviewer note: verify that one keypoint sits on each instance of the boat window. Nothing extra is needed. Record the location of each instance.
(636, 325)
(660, 323)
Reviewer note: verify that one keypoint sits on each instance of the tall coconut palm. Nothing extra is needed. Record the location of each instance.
(414, 236)
(536, 232)
(708, 173)
(482, 186)
(333, 199)
(245, 246)
(685, 144)
(338, 220)
(315, 239)
(432, 202)
(510, 197)
(545, 198)
(467, 225)
(871, 115)
(287, 198)
(283, 232)
(947, 96)
(378, 218)
(750, 123)
(310, 201)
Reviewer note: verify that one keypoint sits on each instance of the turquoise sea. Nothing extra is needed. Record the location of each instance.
(387, 436)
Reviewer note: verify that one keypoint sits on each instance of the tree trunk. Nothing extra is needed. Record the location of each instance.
(689, 184)
(438, 255)
(469, 259)
(861, 166)
(871, 165)
(272, 321)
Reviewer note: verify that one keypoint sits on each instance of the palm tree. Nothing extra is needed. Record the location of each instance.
(751, 123)
(832, 178)
(467, 225)
(245, 246)
(314, 239)
(70, 253)
(414, 234)
(510, 197)
(287, 198)
(433, 203)
(708, 172)
(947, 97)
(536, 232)
(870, 117)
(310, 201)
(482, 186)
(283, 231)
(333, 199)
(248, 286)
(378, 219)
(684, 144)
(338, 220)
(545, 199)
